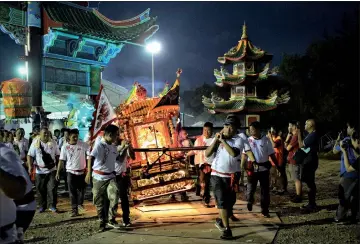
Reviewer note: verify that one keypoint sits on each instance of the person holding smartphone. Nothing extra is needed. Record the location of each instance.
(349, 181)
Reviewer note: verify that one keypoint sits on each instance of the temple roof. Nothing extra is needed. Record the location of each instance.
(245, 104)
(244, 50)
(90, 22)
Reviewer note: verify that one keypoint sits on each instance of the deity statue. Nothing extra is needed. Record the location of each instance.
(72, 119)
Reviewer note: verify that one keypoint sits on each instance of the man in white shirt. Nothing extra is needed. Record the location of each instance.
(226, 149)
(74, 154)
(122, 178)
(12, 186)
(44, 152)
(101, 166)
(61, 142)
(21, 143)
(203, 162)
(262, 149)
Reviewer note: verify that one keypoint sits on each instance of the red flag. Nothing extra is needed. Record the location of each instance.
(104, 113)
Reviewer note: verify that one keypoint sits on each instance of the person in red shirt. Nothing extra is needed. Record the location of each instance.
(292, 145)
(278, 177)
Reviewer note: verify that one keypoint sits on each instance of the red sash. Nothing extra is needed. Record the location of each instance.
(233, 184)
(102, 173)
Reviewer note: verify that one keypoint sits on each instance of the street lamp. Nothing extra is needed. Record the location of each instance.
(153, 48)
(23, 71)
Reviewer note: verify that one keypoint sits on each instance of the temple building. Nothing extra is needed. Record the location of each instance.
(68, 45)
(250, 66)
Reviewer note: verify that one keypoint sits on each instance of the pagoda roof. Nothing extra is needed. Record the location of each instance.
(245, 50)
(245, 104)
(90, 22)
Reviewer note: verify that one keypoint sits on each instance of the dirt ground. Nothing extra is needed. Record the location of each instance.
(297, 227)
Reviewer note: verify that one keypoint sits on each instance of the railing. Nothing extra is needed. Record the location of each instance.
(325, 141)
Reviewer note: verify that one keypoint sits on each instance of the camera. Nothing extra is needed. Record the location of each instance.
(346, 143)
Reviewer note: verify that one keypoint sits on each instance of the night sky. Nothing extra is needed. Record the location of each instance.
(194, 34)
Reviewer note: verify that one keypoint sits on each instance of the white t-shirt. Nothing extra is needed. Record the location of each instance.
(35, 152)
(223, 162)
(23, 145)
(105, 157)
(200, 157)
(10, 163)
(262, 149)
(75, 157)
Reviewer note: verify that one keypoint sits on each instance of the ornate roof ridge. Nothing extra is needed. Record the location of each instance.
(140, 18)
(75, 5)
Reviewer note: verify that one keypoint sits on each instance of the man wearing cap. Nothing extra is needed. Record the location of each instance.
(225, 148)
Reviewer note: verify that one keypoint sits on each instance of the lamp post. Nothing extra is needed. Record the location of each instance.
(153, 48)
(23, 72)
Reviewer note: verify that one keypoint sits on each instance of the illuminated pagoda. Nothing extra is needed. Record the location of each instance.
(250, 65)
(68, 45)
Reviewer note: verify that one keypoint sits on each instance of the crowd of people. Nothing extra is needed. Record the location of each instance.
(266, 158)
(44, 158)
(273, 161)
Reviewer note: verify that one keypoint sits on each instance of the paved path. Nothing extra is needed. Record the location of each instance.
(189, 222)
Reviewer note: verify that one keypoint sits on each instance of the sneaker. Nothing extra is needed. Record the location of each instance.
(52, 209)
(113, 223)
(233, 218)
(219, 224)
(41, 210)
(227, 234)
(309, 207)
(296, 199)
(128, 224)
(207, 205)
(74, 213)
(249, 206)
(81, 208)
(184, 198)
(265, 214)
(102, 227)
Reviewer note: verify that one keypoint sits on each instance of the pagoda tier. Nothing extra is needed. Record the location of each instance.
(250, 64)
(245, 51)
(90, 23)
(244, 104)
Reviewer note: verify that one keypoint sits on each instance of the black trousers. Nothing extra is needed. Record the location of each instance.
(348, 198)
(64, 173)
(306, 173)
(77, 188)
(198, 180)
(123, 185)
(205, 183)
(23, 219)
(46, 189)
(263, 177)
(224, 194)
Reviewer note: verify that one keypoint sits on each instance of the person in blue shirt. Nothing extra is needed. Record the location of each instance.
(349, 181)
(350, 129)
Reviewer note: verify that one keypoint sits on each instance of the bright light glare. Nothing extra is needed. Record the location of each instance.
(153, 47)
(23, 70)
